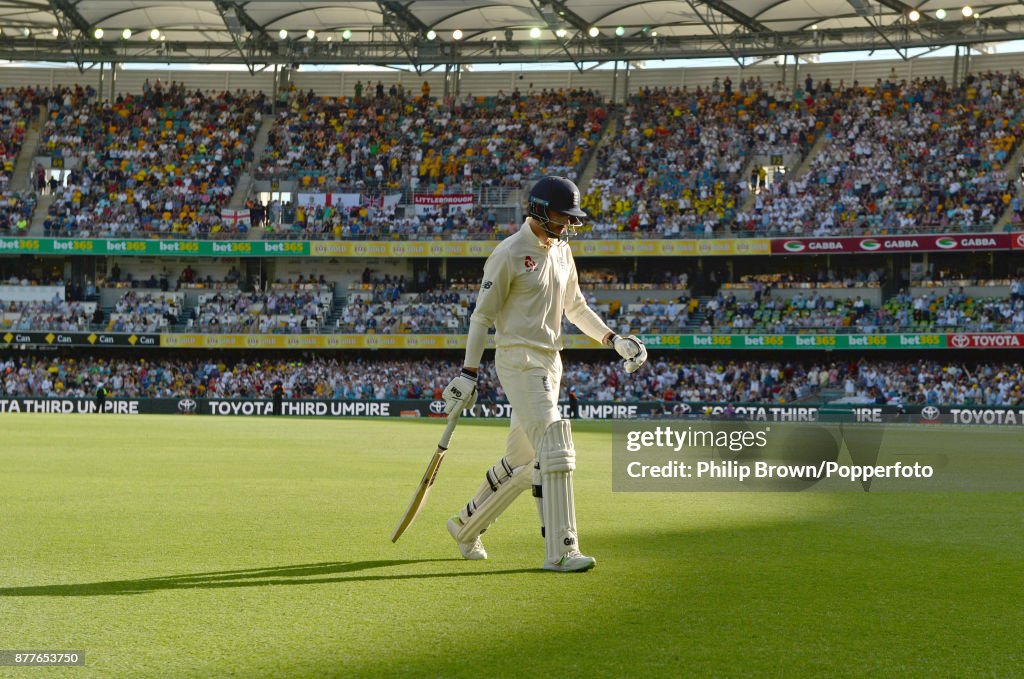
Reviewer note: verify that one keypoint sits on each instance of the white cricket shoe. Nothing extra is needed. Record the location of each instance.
(474, 551)
(571, 562)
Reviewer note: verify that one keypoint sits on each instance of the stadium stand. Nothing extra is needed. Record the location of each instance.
(676, 166)
(902, 157)
(16, 210)
(279, 310)
(896, 156)
(160, 164)
(779, 303)
(145, 312)
(388, 310)
(18, 106)
(53, 315)
(394, 141)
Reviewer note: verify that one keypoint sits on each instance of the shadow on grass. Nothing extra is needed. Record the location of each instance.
(305, 574)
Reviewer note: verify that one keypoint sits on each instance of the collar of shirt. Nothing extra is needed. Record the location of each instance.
(542, 244)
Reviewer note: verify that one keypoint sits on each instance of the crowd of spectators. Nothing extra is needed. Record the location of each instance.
(955, 309)
(162, 163)
(386, 309)
(901, 157)
(145, 312)
(876, 381)
(652, 316)
(390, 140)
(16, 210)
(816, 311)
(811, 312)
(391, 305)
(895, 157)
(153, 305)
(19, 106)
(953, 277)
(280, 310)
(675, 166)
(362, 222)
(1016, 206)
(668, 380)
(187, 278)
(936, 383)
(643, 279)
(604, 278)
(55, 314)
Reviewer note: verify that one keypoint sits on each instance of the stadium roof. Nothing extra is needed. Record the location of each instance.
(393, 32)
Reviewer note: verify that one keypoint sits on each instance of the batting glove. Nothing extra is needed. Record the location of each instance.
(632, 350)
(460, 393)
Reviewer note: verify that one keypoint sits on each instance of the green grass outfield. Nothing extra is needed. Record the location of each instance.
(203, 547)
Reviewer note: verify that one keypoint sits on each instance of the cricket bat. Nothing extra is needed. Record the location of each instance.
(420, 497)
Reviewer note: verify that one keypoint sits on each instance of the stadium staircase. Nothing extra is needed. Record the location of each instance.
(102, 327)
(748, 202)
(1015, 167)
(246, 180)
(43, 202)
(23, 165)
(802, 169)
(805, 164)
(611, 128)
(337, 308)
(693, 323)
(333, 315)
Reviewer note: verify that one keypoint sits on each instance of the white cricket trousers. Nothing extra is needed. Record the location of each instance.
(531, 379)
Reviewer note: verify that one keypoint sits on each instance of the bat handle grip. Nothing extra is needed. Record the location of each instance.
(446, 437)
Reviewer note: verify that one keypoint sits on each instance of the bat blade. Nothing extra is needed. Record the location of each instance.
(419, 498)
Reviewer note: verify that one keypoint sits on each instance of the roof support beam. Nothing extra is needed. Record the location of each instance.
(572, 17)
(256, 30)
(739, 17)
(553, 26)
(255, 47)
(580, 24)
(898, 50)
(407, 28)
(715, 31)
(230, 15)
(69, 20)
(259, 41)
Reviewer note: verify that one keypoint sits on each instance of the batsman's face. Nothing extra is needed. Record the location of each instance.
(558, 221)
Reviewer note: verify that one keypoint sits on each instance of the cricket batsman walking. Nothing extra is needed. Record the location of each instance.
(529, 282)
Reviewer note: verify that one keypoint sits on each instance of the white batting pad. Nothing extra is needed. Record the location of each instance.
(476, 516)
(502, 484)
(557, 458)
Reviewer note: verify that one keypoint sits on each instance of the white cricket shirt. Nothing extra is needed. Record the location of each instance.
(527, 287)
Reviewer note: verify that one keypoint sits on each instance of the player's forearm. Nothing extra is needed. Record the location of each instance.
(475, 343)
(584, 318)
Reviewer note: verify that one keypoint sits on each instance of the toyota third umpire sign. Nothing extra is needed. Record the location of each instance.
(592, 410)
